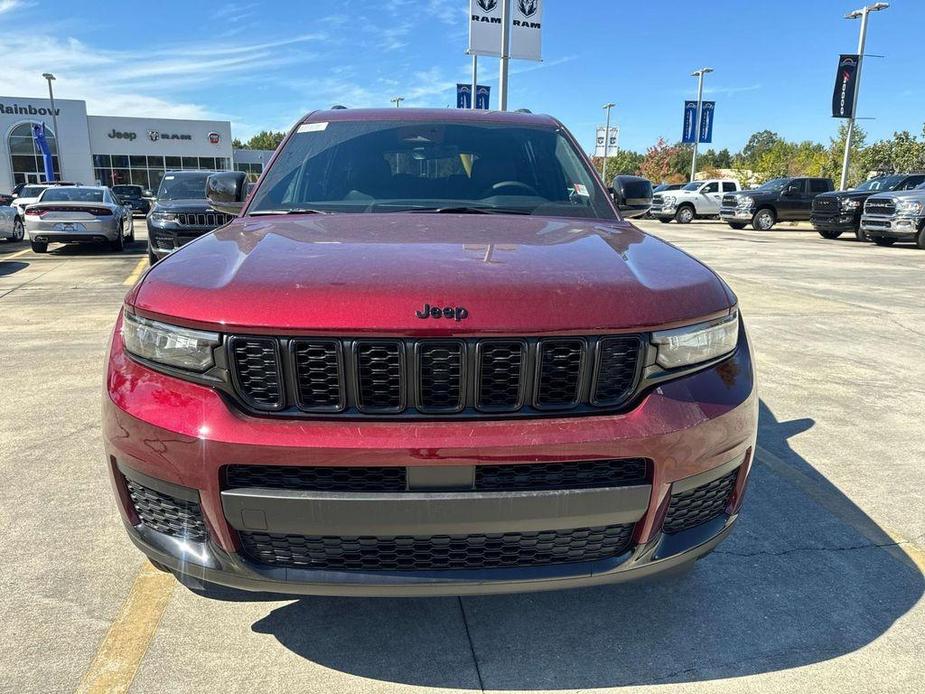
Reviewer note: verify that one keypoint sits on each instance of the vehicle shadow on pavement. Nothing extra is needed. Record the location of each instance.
(804, 578)
(97, 250)
(9, 267)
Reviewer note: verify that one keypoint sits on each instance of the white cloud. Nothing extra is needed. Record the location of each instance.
(8, 5)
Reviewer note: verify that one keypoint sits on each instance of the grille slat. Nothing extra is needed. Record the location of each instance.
(440, 376)
(699, 505)
(257, 369)
(826, 204)
(200, 219)
(884, 206)
(439, 552)
(318, 373)
(384, 377)
(559, 368)
(167, 514)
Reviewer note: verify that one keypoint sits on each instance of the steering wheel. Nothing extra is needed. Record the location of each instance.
(516, 184)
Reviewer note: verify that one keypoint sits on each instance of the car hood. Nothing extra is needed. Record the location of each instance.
(902, 194)
(841, 194)
(372, 273)
(191, 205)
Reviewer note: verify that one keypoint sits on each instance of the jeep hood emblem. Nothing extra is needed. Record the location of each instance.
(449, 312)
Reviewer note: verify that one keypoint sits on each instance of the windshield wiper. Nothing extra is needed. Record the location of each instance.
(464, 209)
(294, 210)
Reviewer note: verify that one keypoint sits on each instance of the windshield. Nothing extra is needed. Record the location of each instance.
(694, 186)
(127, 191)
(183, 187)
(774, 185)
(398, 166)
(73, 195)
(882, 183)
(31, 191)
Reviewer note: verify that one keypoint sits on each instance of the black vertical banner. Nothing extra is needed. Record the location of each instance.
(846, 81)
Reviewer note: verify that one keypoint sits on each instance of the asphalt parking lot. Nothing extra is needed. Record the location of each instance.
(819, 589)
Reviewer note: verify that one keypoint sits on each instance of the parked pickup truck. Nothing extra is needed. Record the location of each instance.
(778, 200)
(696, 199)
(893, 217)
(840, 211)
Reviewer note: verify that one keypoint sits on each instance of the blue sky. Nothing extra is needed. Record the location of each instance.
(263, 64)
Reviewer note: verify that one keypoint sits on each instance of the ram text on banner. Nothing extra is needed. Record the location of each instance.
(612, 145)
(527, 29)
(688, 133)
(485, 27)
(846, 80)
(707, 109)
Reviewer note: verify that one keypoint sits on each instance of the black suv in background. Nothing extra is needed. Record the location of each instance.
(838, 212)
(134, 197)
(181, 213)
(787, 199)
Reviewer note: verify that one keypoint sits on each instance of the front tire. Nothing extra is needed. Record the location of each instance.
(663, 220)
(19, 231)
(883, 241)
(131, 229)
(920, 238)
(738, 226)
(764, 219)
(684, 215)
(39, 247)
(830, 234)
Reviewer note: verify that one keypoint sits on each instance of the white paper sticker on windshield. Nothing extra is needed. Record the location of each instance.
(312, 127)
(581, 190)
(168, 178)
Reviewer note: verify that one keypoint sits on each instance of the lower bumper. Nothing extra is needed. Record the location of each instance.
(834, 222)
(735, 215)
(58, 237)
(892, 227)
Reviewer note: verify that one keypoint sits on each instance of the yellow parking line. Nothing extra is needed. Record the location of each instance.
(840, 506)
(119, 655)
(136, 273)
(16, 254)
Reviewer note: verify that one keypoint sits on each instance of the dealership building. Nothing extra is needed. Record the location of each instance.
(112, 150)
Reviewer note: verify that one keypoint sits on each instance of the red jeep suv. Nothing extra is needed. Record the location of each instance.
(427, 357)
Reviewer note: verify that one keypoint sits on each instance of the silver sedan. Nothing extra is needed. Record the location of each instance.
(11, 227)
(79, 214)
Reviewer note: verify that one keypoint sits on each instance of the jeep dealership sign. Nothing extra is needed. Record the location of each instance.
(526, 28)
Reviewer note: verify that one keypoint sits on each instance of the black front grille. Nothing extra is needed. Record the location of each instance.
(324, 479)
(164, 243)
(387, 377)
(657, 199)
(826, 204)
(257, 371)
(590, 474)
(209, 220)
(729, 201)
(880, 206)
(167, 514)
(509, 477)
(699, 505)
(439, 552)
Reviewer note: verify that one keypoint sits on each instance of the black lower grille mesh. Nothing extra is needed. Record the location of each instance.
(699, 505)
(327, 479)
(257, 367)
(167, 514)
(422, 553)
(546, 476)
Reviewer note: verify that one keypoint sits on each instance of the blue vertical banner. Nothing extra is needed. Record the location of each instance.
(464, 96)
(482, 97)
(38, 134)
(706, 121)
(689, 134)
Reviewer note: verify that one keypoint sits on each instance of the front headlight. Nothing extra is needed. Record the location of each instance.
(669, 200)
(695, 344)
(163, 217)
(170, 345)
(909, 207)
(848, 204)
(744, 201)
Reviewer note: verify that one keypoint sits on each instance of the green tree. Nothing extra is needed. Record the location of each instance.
(623, 161)
(758, 144)
(265, 139)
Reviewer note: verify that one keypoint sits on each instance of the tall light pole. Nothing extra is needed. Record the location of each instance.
(397, 101)
(505, 52)
(475, 80)
(862, 39)
(607, 108)
(54, 119)
(699, 75)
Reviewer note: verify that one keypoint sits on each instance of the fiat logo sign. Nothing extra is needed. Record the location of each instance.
(214, 138)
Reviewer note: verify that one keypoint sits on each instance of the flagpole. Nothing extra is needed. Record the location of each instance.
(475, 79)
(505, 51)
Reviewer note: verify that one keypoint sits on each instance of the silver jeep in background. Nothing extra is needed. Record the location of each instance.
(892, 217)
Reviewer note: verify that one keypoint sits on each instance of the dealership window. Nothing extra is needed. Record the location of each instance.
(147, 171)
(253, 171)
(26, 158)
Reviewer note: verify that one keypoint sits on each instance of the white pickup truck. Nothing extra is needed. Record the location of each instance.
(696, 199)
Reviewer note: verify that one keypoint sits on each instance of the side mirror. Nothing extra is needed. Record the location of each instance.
(226, 191)
(790, 191)
(616, 195)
